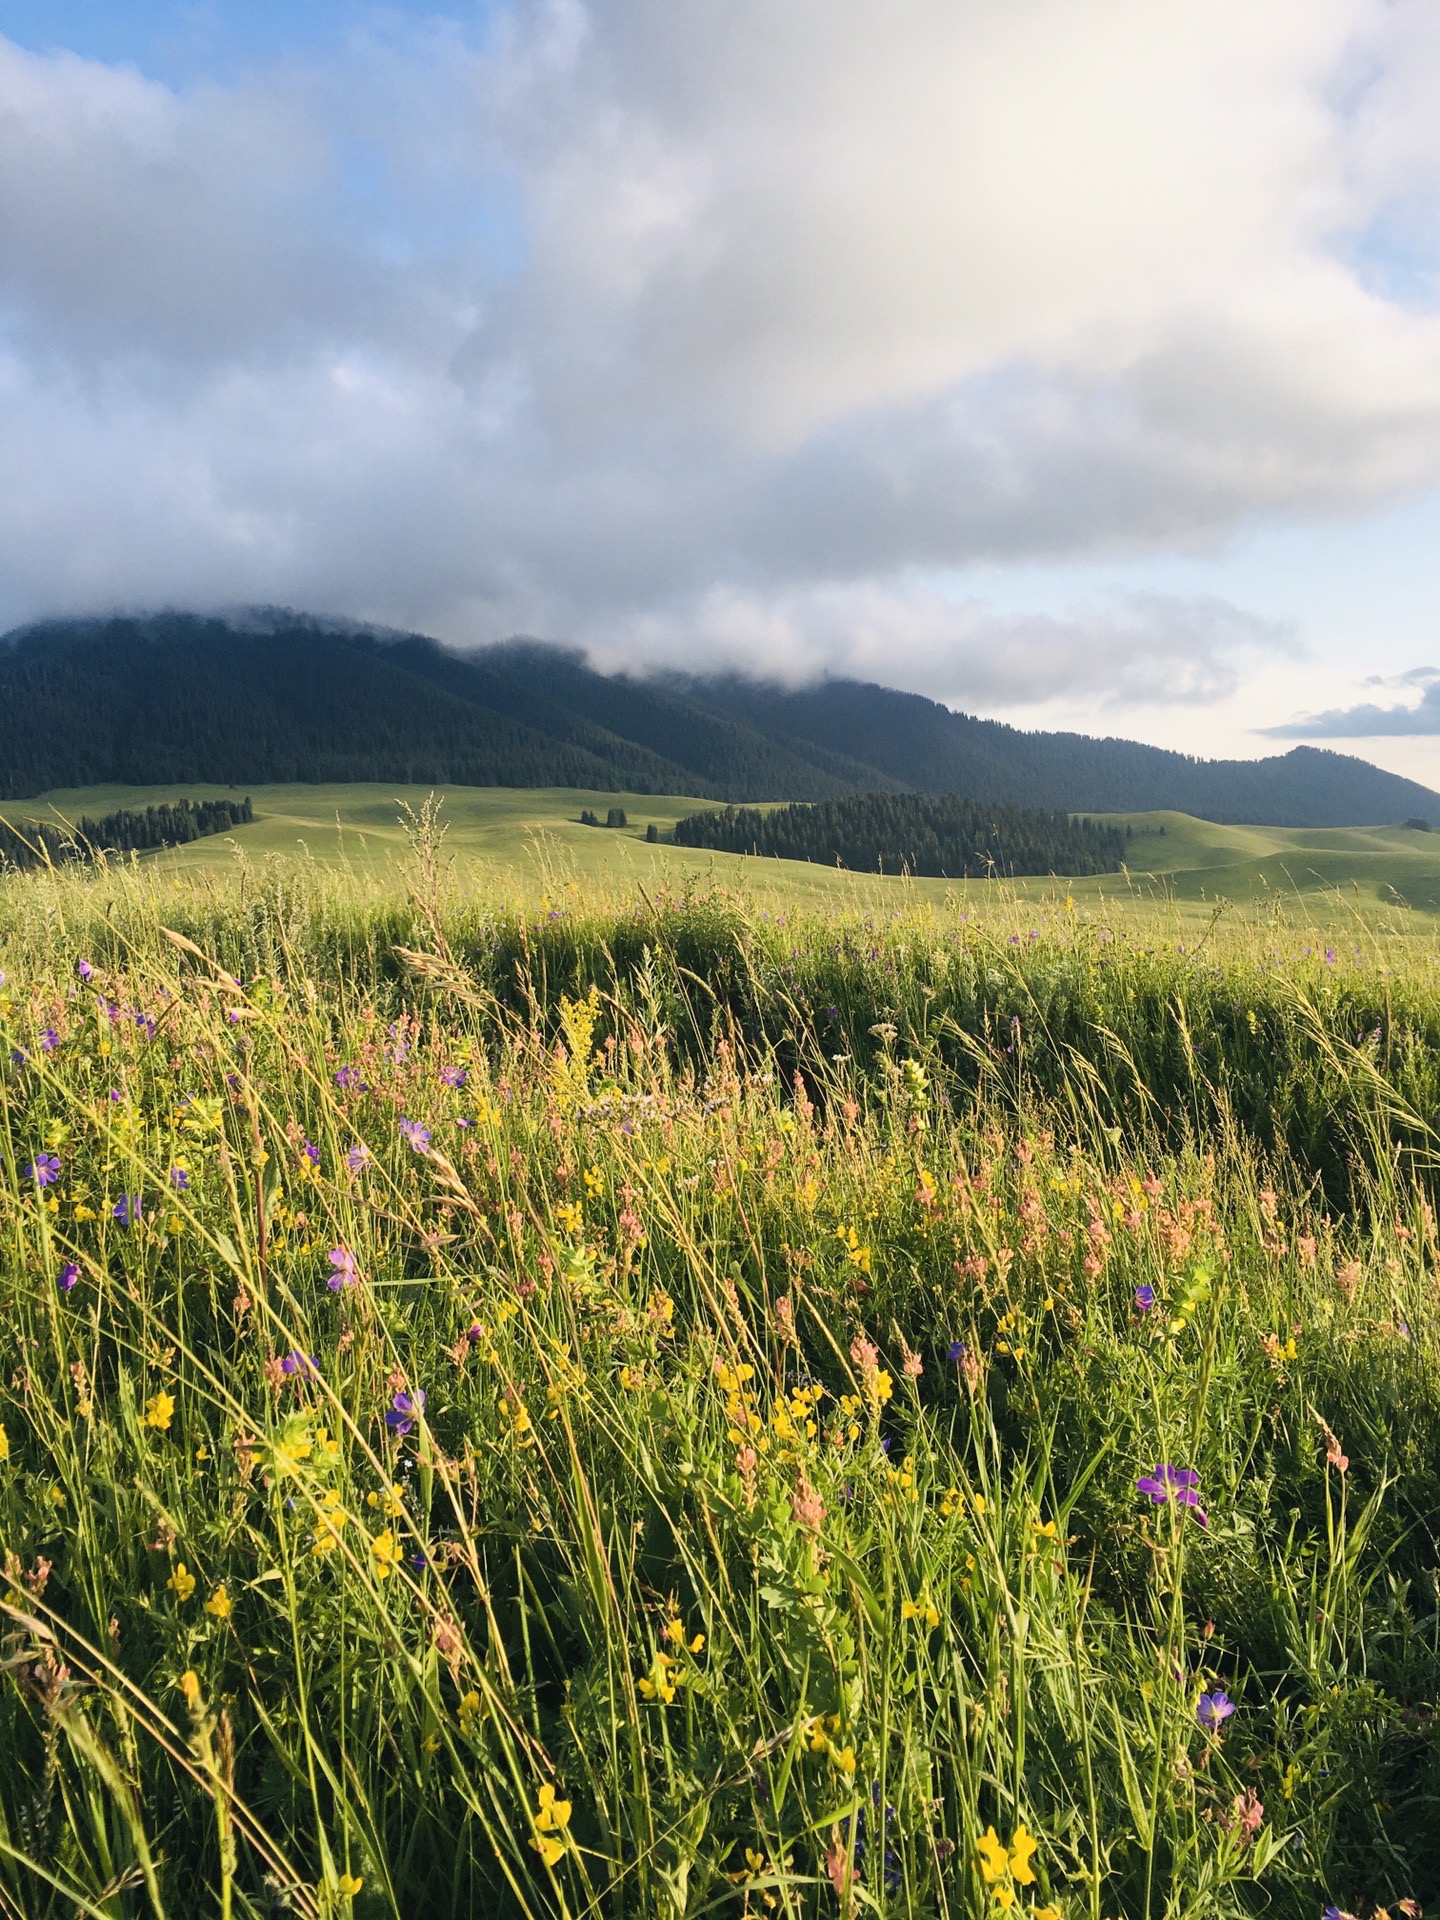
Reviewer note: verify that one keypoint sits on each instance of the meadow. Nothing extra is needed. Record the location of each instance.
(520, 841)
(670, 1402)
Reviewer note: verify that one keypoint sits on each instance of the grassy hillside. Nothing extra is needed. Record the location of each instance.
(522, 839)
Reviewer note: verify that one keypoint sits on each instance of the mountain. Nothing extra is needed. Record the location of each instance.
(935, 750)
(271, 696)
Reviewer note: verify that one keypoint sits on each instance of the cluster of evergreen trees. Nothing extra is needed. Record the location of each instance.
(614, 817)
(37, 843)
(939, 836)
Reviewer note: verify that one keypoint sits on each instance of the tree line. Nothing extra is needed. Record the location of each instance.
(938, 836)
(39, 843)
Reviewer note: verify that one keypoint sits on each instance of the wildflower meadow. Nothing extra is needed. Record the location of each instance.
(652, 1408)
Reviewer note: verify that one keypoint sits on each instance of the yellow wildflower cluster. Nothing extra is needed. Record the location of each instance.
(515, 1421)
(794, 1415)
(663, 1678)
(746, 1426)
(847, 1428)
(385, 1551)
(159, 1412)
(825, 1738)
(923, 1609)
(857, 1255)
(956, 1502)
(330, 1521)
(1004, 1868)
(551, 1818)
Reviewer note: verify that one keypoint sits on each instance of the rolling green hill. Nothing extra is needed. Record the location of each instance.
(515, 840)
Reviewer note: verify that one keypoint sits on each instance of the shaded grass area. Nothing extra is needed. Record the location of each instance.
(643, 1410)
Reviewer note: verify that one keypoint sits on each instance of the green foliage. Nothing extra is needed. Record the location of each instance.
(911, 833)
(796, 1308)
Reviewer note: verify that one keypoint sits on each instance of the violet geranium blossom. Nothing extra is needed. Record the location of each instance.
(1173, 1484)
(405, 1410)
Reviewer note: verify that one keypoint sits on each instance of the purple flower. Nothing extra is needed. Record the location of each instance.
(49, 1040)
(454, 1076)
(19, 1057)
(114, 1096)
(405, 1410)
(311, 1152)
(416, 1134)
(1144, 1298)
(1176, 1484)
(348, 1077)
(84, 969)
(1337, 1913)
(302, 1365)
(180, 1179)
(1329, 956)
(128, 1209)
(956, 1351)
(345, 1272)
(44, 1169)
(1214, 1709)
(69, 1274)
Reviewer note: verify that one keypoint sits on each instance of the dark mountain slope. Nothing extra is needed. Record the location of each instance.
(276, 696)
(918, 741)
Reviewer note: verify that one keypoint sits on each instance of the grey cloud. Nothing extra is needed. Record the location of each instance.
(1366, 721)
(1151, 648)
(677, 333)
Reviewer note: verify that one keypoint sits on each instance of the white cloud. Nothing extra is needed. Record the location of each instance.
(695, 333)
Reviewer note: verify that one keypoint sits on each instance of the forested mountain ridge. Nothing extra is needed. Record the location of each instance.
(272, 696)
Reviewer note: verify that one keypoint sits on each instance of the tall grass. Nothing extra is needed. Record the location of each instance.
(640, 1410)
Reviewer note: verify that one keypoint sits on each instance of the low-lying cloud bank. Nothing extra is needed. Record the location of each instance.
(697, 336)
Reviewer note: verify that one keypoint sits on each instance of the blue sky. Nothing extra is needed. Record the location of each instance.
(1083, 371)
(185, 41)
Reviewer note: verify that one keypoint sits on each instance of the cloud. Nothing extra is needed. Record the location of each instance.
(1145, 648)
(1368, 721)
(698, 334)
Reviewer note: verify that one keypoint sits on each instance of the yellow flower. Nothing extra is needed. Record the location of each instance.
(844, 1758)
(388, 1501)
(921, 1609)
(470, 1713)
(549, 1849)
(181, 1582)
(386, 1551)
(159, 1412)
(190, 1687)
(994, 1857)
(348, 1885)
(1048, 1913)
(4, 1444)
(1004, 1898)
(330, 1521)
(1021, 1848)
(553, 1814)
(220, 1603)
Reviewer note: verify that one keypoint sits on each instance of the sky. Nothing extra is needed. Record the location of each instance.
(1074, 365)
